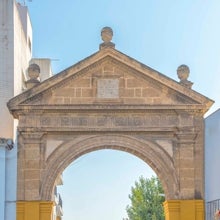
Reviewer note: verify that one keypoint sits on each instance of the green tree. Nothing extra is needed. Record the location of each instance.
(146, 200)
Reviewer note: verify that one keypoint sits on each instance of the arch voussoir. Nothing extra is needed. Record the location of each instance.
(146, 150)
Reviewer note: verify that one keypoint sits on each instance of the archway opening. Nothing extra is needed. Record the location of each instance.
(97, 184)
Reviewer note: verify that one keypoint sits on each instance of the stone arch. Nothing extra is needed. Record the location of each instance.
(150, 152)
(109, 100)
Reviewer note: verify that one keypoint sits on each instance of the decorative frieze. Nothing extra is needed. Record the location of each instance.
(105, 121)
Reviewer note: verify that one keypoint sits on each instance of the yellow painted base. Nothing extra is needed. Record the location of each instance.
(34, 210)
(184, 210)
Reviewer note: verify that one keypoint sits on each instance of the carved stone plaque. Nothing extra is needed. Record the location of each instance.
(108, 88)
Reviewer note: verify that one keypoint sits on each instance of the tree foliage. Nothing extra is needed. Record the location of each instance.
(146, 200)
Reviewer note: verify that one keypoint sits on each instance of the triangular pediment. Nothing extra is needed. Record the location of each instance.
(109, 78)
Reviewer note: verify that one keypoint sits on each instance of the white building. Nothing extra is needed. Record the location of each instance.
(15, 53)
(15, 56)
(212, 163)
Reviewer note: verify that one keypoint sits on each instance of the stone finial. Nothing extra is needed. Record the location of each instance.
(183, 74)
(106, 35)
(33, 73)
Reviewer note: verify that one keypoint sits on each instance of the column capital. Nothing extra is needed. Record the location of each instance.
(185, 135)
(32, 137)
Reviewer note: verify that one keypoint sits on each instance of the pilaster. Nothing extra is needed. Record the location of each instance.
(184, 209)
(185, 162)
(30, 165)
(34, 210)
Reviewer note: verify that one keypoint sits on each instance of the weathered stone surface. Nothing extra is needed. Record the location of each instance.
(110, 101)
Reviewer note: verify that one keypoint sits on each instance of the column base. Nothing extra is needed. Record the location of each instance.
(34, 210)
(184, 209)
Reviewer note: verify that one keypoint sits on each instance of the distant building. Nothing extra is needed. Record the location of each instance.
(15, 56)
(212, 163)
(58, 207)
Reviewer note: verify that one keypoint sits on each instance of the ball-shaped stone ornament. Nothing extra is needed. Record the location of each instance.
(183, 72)
(33, 71)
(106, 34)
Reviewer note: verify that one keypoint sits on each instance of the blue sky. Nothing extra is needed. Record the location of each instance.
(161, 34)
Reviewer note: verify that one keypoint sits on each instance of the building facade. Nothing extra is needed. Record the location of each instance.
(212, 164)
(15, 57)
(15, 53)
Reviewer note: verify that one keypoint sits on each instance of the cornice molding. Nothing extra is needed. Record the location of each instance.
(110, 56)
